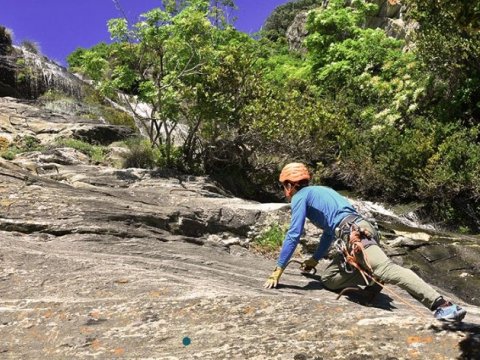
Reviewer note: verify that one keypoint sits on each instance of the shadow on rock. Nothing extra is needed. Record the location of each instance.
(312, 276)
(470, 345)
(316, 284)
(381, 301)
(312, 285)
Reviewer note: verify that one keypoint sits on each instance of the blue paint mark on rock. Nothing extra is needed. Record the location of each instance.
(186, 341)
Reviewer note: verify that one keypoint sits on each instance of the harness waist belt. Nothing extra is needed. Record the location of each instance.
(349, 219)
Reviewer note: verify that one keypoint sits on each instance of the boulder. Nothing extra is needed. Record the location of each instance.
(19, 118)
(107, 263)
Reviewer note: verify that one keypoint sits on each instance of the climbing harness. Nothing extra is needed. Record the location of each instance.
(384, 287)
(351, 241)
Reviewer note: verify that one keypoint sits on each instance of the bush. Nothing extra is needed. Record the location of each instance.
(94, 152)
(31, 46)
(20, 145)
(141, 155)
(5, 41)
(52, 95)
(118, 117)
(144, 155)
(9, 154)
(271, 239)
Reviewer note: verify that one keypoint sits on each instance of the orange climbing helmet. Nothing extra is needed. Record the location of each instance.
(294, 172)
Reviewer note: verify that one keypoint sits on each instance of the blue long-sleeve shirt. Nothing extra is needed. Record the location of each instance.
(325, 208)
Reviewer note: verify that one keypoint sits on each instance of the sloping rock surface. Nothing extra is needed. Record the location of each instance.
(103, 263)
(107, 264)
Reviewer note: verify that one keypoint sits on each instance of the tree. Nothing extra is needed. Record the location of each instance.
(335, 24)
(154, 60)
(185, 68)
(229, 82)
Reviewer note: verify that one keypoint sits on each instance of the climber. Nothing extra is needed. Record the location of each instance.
(330, 211)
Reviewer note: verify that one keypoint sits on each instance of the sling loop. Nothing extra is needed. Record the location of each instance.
(349, 252)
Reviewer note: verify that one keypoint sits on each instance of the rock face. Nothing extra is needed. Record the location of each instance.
(297, 32)
(390, 17)
(97, 262)
(27, 75)
(7, 72)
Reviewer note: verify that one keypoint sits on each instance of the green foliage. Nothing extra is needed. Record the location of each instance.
(29, 143)
(283, 68)
(117, 117)
(362, 112)
(448, 43)
(24, 72)
(21, 145)
(89, 62)
(52, 95)
(271, 239)
(187, 70)
(9, 154)
(365, 55)
(155, 60)
(335, 24)
(94, 152)
(143, 155)
(455, 166)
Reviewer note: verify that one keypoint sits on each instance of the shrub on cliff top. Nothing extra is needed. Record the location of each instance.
(31, 46)
(5, 41)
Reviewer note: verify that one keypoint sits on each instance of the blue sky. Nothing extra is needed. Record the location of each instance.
(60, 28)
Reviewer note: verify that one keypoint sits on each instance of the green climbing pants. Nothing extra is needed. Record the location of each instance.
(384, 270)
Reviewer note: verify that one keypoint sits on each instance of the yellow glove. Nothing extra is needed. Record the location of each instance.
(308, 265)
(272, 281)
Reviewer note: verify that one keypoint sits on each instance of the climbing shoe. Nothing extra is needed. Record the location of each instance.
(449, 311)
